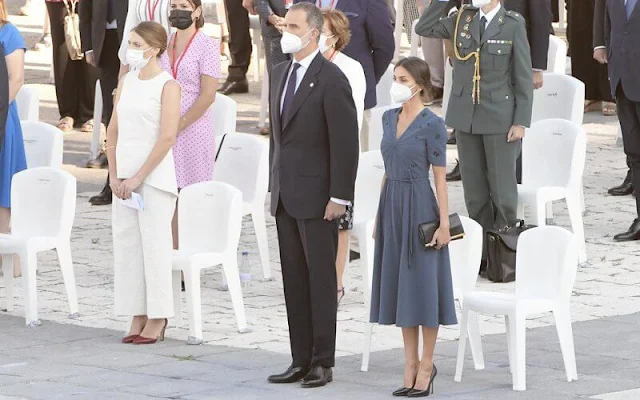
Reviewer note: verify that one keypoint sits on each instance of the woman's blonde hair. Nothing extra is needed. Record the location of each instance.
(153, 34)
(339, 24)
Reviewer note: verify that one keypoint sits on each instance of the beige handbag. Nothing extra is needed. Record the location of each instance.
(72, 31)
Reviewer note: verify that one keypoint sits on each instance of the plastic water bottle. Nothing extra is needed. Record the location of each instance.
(245, 270)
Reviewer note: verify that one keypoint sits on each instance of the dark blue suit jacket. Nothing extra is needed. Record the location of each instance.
(372, 42)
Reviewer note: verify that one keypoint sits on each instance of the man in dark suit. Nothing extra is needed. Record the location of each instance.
(620, 22)
(372, 45)
(101, 31)
(240, 48)
(314, 158)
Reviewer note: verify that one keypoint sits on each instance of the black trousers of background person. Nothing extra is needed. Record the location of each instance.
(308, 255)
(240, 45)
(74, 80)
(109, 67)
(629, 116)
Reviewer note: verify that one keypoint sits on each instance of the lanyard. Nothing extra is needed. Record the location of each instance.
(176, 61)
(151, 11)
(331, 5)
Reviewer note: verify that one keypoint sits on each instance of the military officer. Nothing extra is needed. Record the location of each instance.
(490, 103)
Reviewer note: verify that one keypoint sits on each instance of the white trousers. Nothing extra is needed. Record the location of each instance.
(142, 250)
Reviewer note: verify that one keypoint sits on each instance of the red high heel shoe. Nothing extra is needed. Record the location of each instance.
(143, 340)
(129, 339)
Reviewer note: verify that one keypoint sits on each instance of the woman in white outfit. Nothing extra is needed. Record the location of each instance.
(142, 130)
(335, 37)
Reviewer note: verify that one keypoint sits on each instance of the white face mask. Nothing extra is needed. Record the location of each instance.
(480, 3)
(401, 93)
(323, 43)
(291, 43)
(135, 58)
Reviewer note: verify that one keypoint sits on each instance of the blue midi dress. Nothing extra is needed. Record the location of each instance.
(12, 156)
(411, 284)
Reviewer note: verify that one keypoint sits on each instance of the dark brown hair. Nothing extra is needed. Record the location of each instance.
(154, 34)
(200, 20)
(419, 71)
(339, 24)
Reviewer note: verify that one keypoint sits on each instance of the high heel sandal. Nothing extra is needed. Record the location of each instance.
(342, 293)
(403, 391)
(428, 390)
(143, 340)
(129, 339)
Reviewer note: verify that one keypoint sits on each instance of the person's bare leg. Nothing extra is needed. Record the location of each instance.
(341, 259)
(5, 222)
(152, 328)
(429, 337)
(137, 324)
(411, 360)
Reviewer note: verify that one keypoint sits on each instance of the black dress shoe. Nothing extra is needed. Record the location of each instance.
(231, 87)
(454, 175)
(99, 162)
(317, 376)
(103, 198)
(452, 139)
(402, 392)
(623, 190)
(353, 255)
(291, 375)
(632, 234)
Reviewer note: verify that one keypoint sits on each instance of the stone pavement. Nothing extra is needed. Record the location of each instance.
(607, 286)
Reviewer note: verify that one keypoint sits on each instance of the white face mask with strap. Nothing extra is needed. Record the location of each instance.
(480, 3)
(291, 43)
(401, 93)
(135, 58)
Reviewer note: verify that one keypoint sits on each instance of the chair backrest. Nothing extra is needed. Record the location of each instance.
(448, 83)
(43, 202)
(557, 55)
(375, 125)
(561, 96)
(465, 255)
(546, 262)
(383, 89)
(243, 162)
(28, 103)
(368, 181)
(224, 112)
(553, 154)
(210, 218)
(43, 144)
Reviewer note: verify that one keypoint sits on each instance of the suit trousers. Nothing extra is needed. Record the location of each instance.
(240, 45)
(142, 251)
(75, 81)
(629, 115)
(488, 169)
(109, 66)
(308, 255)
(433, 51)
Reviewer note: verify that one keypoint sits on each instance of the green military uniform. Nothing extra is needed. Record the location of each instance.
(483, 113)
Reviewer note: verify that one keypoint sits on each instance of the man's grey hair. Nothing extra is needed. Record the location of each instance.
(315, 20)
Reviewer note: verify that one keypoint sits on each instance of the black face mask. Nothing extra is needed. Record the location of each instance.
(180, 19)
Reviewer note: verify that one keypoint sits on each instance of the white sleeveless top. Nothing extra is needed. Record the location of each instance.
(139, 112)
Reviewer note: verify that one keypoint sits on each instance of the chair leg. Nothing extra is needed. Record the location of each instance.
(230, 267)
(562, 317)
(517, 342)
(508, 327)
(538, 212)
(520, 210)
(363, 234)
(549, 212)
(575, 214)
(260, 226)
(176, 285)
(194, 304)
(366, 351)
(462, 344)
(28, 262)
(475, 341)
(69, 278)
(7, 271)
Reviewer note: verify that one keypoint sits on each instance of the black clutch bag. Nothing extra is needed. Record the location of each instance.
(428, 229)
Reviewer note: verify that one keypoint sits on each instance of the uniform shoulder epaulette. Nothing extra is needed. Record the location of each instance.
(517, 16)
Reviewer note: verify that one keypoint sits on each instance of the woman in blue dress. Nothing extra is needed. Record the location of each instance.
(12, 157)
(412, 284)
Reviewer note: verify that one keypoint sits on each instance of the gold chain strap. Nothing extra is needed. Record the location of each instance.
(475, 95)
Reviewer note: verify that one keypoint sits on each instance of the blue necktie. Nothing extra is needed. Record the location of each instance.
(631, 5)
(291, 91)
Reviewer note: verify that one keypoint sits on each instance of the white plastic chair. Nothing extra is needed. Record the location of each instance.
(553, 157)
(43, 144)
(28, 103)
(375, 125)
(224, 113)
(557, 55)
(383, 88)
(209, 228)
(43, 203)
(97, 122)
(547, 263)
(243, 162)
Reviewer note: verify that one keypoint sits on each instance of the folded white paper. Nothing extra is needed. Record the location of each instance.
(135, 202)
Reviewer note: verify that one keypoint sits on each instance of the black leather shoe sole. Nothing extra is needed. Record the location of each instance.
(454, 177)
(238, 87)
(316, 383)
(621, 191)
(288, 378)
(100, 200)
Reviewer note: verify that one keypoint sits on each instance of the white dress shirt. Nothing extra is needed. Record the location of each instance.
(302, 70)
(489, 16)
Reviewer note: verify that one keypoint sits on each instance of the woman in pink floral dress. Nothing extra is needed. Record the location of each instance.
(193, 59)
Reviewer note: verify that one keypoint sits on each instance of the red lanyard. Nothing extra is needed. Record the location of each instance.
(331, 5)
(176, 61)
(152, 11)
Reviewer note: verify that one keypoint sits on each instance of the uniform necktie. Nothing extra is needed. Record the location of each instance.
(483, 25)
(111, 11)
(631, 5)
(291, 91)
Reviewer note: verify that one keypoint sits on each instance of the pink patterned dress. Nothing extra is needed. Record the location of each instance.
(195, 149)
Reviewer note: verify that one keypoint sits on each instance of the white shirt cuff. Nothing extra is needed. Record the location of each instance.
(88, 52)
(599, 47)
(341, 202)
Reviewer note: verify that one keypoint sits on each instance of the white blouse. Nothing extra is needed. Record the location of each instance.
(139, 12)
(355, 74)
